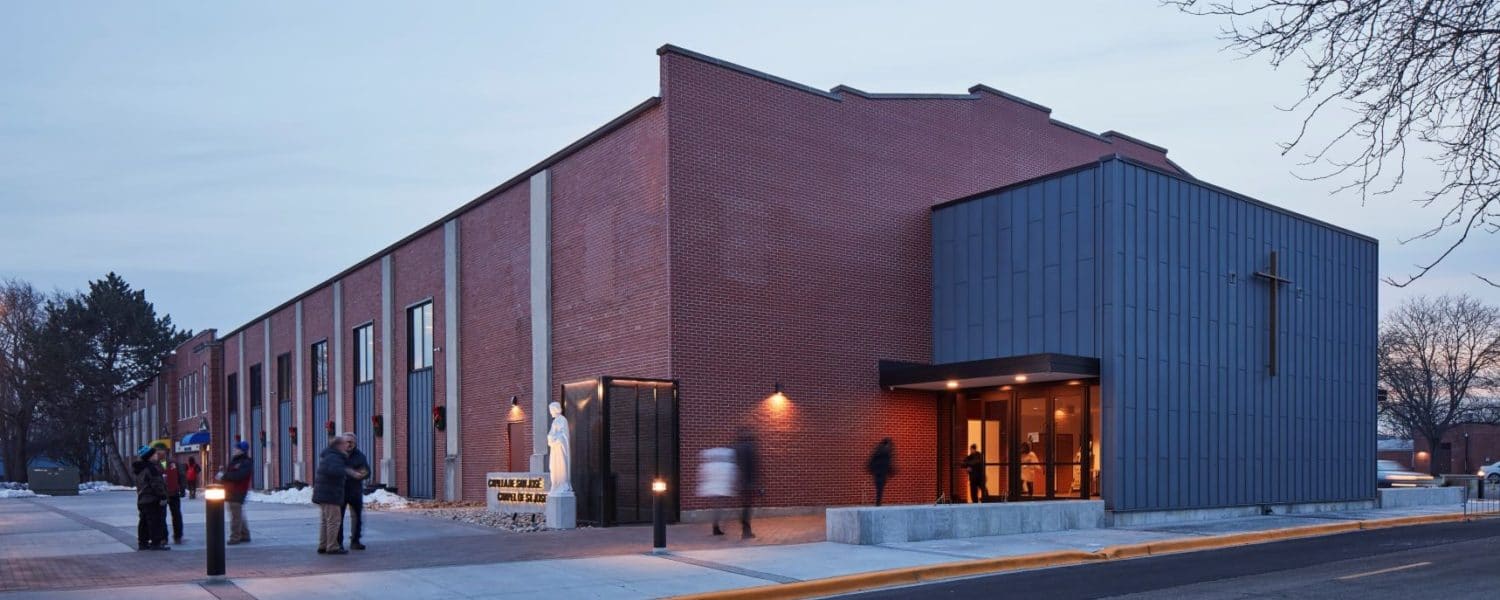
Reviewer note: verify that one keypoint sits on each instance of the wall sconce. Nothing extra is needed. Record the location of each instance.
(778, 397)
(514, 401)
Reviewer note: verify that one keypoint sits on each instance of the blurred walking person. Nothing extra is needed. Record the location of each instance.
(237, 476)
(716, 478)
(880, 467)
(354, 493)
(328, 493)
(150, 501)
(176, 489)
(745, 461)
(192, 472)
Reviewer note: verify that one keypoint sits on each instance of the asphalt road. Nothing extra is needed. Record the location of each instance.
(1449, 560)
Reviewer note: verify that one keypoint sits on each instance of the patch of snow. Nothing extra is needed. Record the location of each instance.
(95, 487)
(292, 496)
(385, 499)
(12, 493)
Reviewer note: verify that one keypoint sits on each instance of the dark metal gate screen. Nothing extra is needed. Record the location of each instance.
(419, 440)
(284, 442)
(364, 409)
(620, 445)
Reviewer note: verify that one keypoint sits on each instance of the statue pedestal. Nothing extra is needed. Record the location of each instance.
(561, 511)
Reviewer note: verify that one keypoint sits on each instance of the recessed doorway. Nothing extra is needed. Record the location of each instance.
(1036, 442)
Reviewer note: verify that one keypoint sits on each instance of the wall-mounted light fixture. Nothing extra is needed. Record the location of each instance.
(514, 401)
(778, 397)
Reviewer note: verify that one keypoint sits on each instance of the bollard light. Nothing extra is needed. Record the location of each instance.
(658, 517)
(213, 521)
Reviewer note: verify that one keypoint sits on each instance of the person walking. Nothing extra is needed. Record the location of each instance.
(150, 501)
(354, 493)
(176, 488)
(716, 480)
(237, 476)
(745, 463)
(328, 494)
(974, 464)
(191, 473)
(880, 467)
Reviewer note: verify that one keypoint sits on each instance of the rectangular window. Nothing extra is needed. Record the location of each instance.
(256, 383)
(283, 377)
(320, 367)
(419, 348)
(203, 389)
(232, 392)
(364, 353)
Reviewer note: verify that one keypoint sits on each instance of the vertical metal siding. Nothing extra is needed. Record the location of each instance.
(1135, 267)
(419, 435)
(257, 426)
(364, 408)
(318, 436)
(1013, 273)
(284, 443)
(1196, 419)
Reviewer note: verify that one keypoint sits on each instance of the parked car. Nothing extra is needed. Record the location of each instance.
(1390, 473)
(1490, 473)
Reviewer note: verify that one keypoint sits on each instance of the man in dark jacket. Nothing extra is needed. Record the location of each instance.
(328, 494)
(974, 464)
(354, 493)
(150, 501)
(746, 462)
(237, 476)
(881, 467)
(176, 488)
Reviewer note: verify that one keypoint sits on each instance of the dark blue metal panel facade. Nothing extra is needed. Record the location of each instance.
(1192, 417)
(1015, 272)
(364, 408)
(420, 445)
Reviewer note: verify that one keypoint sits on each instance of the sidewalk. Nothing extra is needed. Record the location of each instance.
(697, 563)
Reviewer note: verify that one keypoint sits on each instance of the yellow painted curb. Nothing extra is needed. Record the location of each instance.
(845, 584)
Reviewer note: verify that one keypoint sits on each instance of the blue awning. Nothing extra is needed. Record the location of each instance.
(193, 442)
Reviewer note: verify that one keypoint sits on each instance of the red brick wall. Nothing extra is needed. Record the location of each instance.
(494, 279)
(361, 299)
(800, 253)
(418, 272)
(317, 325)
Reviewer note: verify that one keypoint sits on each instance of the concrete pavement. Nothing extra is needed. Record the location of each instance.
(81, 543)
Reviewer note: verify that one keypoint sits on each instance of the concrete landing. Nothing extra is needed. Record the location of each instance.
(914, 523)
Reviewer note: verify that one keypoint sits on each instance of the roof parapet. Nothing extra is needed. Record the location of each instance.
(1112, 135)
(982, 88)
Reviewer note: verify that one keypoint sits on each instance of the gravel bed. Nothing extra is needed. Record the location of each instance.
(515, 522)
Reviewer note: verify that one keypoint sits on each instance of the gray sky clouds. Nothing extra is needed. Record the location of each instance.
(226, 156)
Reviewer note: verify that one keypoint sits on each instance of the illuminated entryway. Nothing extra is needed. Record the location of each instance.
(1033, 422)
(1036, 442)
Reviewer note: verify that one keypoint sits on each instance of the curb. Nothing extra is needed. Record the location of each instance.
(846, 584)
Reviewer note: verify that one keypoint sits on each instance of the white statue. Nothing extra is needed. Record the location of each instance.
(557, 450)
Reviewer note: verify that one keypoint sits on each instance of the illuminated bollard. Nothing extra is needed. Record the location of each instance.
(213, 511)
(658, 517)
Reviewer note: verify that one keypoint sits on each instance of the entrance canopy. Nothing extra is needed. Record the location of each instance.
(986, 372)
(193, 442)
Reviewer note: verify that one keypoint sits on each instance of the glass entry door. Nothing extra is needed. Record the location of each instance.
(1034, 442)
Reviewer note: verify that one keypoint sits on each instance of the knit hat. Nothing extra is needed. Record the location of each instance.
(145, 451)
(244, 446)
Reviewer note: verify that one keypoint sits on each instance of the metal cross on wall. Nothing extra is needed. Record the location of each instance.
(1275, 280)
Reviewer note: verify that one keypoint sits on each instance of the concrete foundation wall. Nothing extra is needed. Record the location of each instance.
(1401, 497)
(1156, 517)
(888, 524)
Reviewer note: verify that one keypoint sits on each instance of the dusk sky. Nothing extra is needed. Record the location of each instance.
(227, 156)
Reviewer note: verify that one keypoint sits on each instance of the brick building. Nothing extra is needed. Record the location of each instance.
(747, 252)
